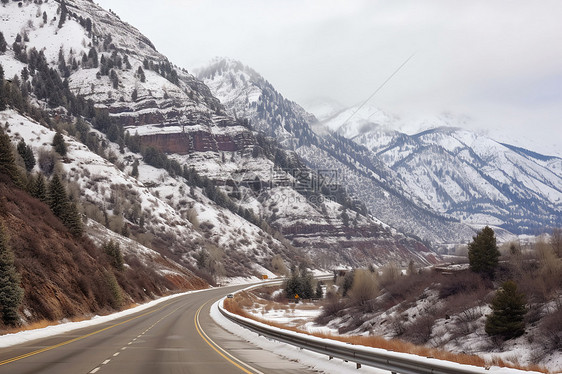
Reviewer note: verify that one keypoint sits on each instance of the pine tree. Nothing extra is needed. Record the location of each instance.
(11, 293)
(7, 159)
(113, 250)
(59, 144)
(3, 43)
(508, 313)
(58, 199)
(135, 171)
(2, 94)
(40, 188)
(63, 13)
(140, 74)
(26, 154)
(483, 253)
(73, 221)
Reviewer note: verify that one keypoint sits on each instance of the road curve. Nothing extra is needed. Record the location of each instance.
(176, 336)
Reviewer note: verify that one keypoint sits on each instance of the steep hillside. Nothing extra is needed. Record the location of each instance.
(245, 93)
(65, 277)
(159, 160)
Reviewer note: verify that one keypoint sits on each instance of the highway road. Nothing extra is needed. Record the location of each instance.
(176, 336)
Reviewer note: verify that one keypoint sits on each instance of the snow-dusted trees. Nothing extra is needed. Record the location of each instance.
(63, 13)
(3, 43)
(140, 74)
(58, 144)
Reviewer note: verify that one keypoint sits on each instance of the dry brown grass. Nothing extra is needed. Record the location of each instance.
(237, 306)
(46, 323)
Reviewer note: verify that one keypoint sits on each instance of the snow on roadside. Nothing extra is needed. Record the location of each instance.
(29, 335)
(320, 362)
(314, 360)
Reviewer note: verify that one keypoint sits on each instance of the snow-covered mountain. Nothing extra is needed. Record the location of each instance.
(459, 172)
(244, 92)
(211, 190)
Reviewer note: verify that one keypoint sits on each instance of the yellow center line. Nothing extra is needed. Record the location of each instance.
(78, 338)
(227, 356)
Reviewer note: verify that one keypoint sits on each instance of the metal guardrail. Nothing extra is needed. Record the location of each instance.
(361, 355)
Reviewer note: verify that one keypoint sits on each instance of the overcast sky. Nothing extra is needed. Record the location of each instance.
(499, 62)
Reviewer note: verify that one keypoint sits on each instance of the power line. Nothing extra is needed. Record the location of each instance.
(379, 88)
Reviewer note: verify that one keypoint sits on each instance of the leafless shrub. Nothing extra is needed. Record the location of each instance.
(398, 326)
(551, 328)
(462, 282)
(389, 275)
(278, 265)
(419, 331)
(365, 288)
(470, 314)
(46, 159)
(192, 217)
(332, 307)
(92, 211)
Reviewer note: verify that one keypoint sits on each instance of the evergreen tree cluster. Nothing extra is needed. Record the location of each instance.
(48, 85)
(90, 60)
(114, 61)
(11, 293)
(164, 68)
(58, 144)
(63, 13)
(54, 194)
(113, 250)
(62, 207)
(300, 283)
(7, 159)
(310, 184)
(26, 154)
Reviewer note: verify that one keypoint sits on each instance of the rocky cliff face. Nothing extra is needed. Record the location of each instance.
(112, 66)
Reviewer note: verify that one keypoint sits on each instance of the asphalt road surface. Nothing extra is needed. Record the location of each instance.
(176, 336)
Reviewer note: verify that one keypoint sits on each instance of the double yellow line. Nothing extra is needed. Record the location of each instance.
(233, 360)
(227, 356)
(21, 357)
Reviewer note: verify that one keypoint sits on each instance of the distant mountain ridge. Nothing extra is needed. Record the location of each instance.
(244, 92)
(464, 174)
(444, 173)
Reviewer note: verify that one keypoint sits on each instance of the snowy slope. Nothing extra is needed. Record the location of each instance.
(245, 93)
(167, 206)
(475, 178)
(175, 113)
(458, 172)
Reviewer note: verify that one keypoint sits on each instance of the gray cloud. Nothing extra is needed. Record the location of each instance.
(499, 62)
